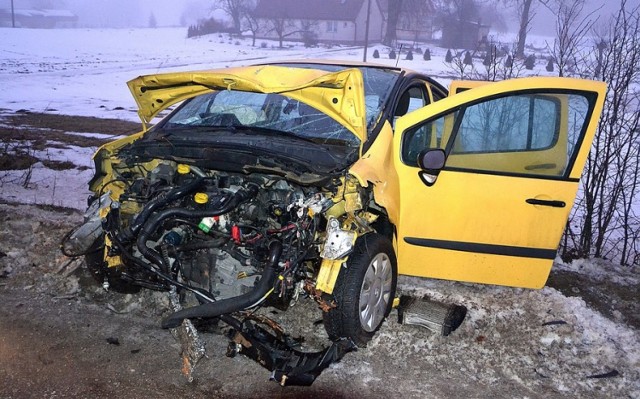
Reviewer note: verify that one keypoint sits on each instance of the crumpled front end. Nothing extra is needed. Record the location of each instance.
(232, 218)
(229, 243)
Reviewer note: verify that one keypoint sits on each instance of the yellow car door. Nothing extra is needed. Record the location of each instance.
(513, 153)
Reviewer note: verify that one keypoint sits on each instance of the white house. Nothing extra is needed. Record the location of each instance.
(332, 21)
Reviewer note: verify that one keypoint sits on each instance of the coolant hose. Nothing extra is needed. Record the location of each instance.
(159, 202)
(154, 221)
(234, 304)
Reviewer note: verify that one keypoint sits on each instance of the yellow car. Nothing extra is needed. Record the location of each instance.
(328, 180)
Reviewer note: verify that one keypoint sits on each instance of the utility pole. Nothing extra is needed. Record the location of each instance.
(13, 16)
(366, 31)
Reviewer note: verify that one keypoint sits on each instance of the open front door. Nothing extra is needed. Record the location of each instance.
(458, 86)
(497, 209)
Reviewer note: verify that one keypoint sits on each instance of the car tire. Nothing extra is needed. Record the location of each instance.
(94, 259)
(364, 291)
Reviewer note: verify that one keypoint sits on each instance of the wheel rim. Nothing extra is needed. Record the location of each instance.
(375, 292)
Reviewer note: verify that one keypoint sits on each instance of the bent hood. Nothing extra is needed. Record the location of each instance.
(339, 94)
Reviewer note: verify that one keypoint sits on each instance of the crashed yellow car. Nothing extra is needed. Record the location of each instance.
(271, 182)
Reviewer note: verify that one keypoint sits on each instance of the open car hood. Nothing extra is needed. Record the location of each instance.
(339, 94)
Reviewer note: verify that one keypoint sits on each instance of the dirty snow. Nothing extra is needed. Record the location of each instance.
(503, 346)
(600, 270)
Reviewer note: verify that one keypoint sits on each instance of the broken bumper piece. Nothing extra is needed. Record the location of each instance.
(288, 365)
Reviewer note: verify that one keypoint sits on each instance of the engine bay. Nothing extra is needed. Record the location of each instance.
(226, 243)
(215, 234)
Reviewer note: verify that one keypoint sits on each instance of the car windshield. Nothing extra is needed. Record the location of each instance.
(378, 85)
(272, 114)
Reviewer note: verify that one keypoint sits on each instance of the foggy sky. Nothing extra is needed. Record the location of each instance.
(123, 13)
(136, 13)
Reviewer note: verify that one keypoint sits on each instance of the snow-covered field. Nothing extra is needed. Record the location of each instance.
(84, 72)
(504, 340)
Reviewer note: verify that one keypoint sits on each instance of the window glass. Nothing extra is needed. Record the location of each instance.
(515, 123)
(578, 108)
(412, 99)
(421, 137)
(378, 86)
(516, 134)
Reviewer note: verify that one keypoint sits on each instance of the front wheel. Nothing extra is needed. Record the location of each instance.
(364, 291)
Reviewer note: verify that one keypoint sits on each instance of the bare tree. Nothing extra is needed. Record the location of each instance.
(526, 12)
(605, 221)
(236, 10)
(393, 14)
(571, 30)
(283, 27)
(252, 24)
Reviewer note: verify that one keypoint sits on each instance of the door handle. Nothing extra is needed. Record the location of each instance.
(553, 203)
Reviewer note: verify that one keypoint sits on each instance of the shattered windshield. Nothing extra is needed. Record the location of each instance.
(261, 113)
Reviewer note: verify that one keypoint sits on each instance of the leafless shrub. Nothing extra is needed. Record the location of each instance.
(26, 177)
(462, 70)
(606, 220)
(499, 65)
(571, 31)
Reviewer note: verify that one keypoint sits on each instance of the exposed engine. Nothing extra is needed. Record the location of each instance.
(212, 231)
(227, 242)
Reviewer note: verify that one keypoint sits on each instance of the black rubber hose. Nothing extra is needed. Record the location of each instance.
(234, 304)
(144, 266)
(238, 198)
(159, 202)
(154, 221)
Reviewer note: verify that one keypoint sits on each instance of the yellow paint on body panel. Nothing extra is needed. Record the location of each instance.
(376, 168)
(328, 274)
(476, 268)
(467, 207)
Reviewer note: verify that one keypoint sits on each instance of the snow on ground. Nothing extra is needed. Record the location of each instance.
(47, 186)
(600, 271)
(553, 340)
(83, 72)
